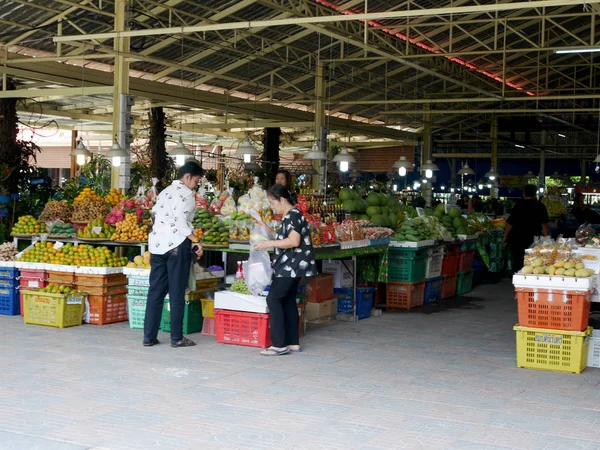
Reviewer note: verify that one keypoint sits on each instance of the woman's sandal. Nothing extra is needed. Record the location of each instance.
(274, 352)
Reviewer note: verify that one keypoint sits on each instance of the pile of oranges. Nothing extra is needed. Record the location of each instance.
(87, 193)
(28, 225)
(130, 230)
(114, 197)
(199, 232)
(70, 255)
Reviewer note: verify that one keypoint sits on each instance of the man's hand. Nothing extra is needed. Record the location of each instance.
(263, 245)
(197, 248)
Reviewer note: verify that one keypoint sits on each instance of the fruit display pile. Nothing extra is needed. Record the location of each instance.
(240, 287)
(89, 194)
(56, 210)
(452, 220)
(117, 213)
(53, 288)
(130, 230)
(204, 219)
(421, 229)
(28, 225)
(114, 197)
(570, 268)
(140, 262)
(8, 251)
(88, 209)
(217, 234)
(96, 229)
(62, 229)
(70, 255)
(379, 209)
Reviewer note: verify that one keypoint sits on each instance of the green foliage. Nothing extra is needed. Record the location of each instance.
(96, 174)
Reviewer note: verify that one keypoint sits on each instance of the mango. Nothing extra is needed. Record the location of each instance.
(527, 270)
(537, 262)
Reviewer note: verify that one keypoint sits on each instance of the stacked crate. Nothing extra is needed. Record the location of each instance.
(138, 283)
(9, 290)
(450, 269)
(363, 304)
(106, 296)
(31, 276)
(407, 268)
(464, 280)
(321, 306)
(433, 274)
(553, 332)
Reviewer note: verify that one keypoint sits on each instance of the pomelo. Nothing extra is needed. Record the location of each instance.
(349, 205)
(373, 211)
(378, 220)
(454, 212)
(345, 194)
(373, 199)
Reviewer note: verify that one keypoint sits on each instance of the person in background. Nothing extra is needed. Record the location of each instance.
(284, 178)
(476, 205)
(294, 259)
(172, 244)
(528, 219)
(583, 212)
(463, 202)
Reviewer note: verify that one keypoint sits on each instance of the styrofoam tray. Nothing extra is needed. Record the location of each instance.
(407, 244)
(464, 237)
(354, 244)
(235, 301)
(383, 241)
(9, 264)
(98, 270)
(136, 272)
(61, 268)
(554, 282)
(30, 265)
(210, 275)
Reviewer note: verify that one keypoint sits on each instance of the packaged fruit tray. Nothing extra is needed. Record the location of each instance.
(136, 272)
(553, 282)
(409, 244)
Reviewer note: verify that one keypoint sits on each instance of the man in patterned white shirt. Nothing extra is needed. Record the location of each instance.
(172, 243)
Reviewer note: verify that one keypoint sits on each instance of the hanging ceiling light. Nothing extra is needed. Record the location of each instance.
(246, 150)
(316, 154)
(429, 167)
(80, 152)
(492, 174)
(530, 175)
(117, 154)
(402, 165)
(466, 170)
(180, 153)
(344, 158)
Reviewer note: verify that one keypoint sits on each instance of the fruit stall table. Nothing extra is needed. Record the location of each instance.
(353, 251)
(75, 241)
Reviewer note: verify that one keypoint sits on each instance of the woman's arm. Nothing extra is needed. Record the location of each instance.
(292, 241)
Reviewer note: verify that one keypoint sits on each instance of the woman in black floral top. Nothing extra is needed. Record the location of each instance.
(294, 259)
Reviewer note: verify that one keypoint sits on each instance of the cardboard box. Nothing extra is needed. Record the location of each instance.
(320, 288)
(321, 312)
(342, 277)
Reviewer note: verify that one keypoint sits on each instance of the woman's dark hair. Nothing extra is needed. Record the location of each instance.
(279, 191)
(288, 178)
(192, 167)
(530, 191)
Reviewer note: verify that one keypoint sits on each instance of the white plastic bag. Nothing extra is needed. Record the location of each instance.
(258, 271)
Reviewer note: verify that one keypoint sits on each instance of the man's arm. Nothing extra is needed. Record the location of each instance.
(507, 232)
(545, 229)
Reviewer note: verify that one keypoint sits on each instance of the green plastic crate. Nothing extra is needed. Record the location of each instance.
(407, 265)
(136, 310)
(192, 317)
(464, 282)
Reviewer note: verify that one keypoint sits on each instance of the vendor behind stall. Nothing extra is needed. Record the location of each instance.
(529, 218)
(582, 212)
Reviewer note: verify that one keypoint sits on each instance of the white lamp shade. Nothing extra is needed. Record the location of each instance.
(316, 154)
(117, 154)
(246, 150)
(344, 156)
(180, 150)
(429, 165)
(466, 170)
(81, 153)
(492, 174)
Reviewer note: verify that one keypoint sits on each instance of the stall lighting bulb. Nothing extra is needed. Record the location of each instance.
(247, 157)
(395, 187)
(402, 171)
(81, 160)
(116, 161)
(344, 166)
(428, 173)
(180, 160)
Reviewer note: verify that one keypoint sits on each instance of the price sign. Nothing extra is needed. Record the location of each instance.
(34, 284)
(58, 245)
(74, 300)
(97, 230)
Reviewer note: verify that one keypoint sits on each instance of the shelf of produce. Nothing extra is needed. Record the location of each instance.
(76, 241)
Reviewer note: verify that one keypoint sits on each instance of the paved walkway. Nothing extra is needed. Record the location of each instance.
(443, 379)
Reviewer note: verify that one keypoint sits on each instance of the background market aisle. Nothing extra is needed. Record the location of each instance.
(445, 379)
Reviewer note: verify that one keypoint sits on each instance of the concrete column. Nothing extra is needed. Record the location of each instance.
(494, 160)
(320, 181)
(426, 153)
(73, 158)
(542, 175)
(121, 84)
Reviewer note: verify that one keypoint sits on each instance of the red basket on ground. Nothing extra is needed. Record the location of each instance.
(451, 259)
(242, 328)
(105, 309)
(466, 260)
(405, 295)
(320, 288)
(554, 309)
(449, 286)
(209, 326)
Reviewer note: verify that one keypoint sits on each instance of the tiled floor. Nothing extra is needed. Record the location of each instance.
(443, 379)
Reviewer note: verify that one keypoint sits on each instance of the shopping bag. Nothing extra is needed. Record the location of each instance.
(257, 271)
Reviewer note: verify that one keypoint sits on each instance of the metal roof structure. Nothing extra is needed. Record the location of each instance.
(391, 71)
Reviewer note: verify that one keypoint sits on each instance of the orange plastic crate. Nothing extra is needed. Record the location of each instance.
(465, 261)
(320, 288)
(405, 295)
(61, 277)
(450, 263)
(105, 309)
(449, 286)
(554, 309)
(242, 328)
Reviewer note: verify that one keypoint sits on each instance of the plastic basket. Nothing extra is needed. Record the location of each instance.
(433, 290)
(554, 350)
(207, 308)
(8, 273)
(320, 288)
(105, 309)
(449, 285)
(468, 245)
(435, 259)
(209, 283)
(407, 266)
(33, 278)
(364, 300)
(102, 289)
(138, 291)
(405, 295)
(209, 327)
(67, 278)
(133, 280)
(593, 359)
(192, 317)
(464, 282)
(9, 302)
(53, 310)
(450, 262)
(8, 283)
(136, 310)
(242, 328)
(465, 262)
(554, 309)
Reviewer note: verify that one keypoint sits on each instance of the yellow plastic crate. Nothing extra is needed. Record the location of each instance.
(53, 310)
(554, 350)
(207, 308)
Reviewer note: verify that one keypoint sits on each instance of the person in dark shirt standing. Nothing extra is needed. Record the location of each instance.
(529, 218)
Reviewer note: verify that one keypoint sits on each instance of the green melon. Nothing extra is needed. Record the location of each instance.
(345, 194)
(457, 222)
(349, 205)
(454, 212)
(378, 220)
(392, 220)
(373, 199)
(354, 194)
(364, 217)
(382, 200)
(373, 211)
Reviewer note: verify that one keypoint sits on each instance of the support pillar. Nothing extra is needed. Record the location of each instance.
(320, 181)
(73, 171)
(427, 189)
(120, 175)
(494, 161)
(542, 175)
(453, 173)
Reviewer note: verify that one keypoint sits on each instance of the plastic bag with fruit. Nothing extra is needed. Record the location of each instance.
(584, 233)
(152, 193)
(258, 271)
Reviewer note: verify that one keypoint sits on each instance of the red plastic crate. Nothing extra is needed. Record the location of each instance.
(33, 278)
(554, 309)
(405, 295)
(320, 288)
(105, 309)
(242, 328)
(450, 262)
(466, 260)
(449, 286)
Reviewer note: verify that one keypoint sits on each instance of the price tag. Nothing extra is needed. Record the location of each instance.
(34, 284)
(58, 245)
(97, 230)
(74, 300)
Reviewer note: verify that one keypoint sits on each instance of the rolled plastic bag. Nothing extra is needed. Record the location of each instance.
(258, 271)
